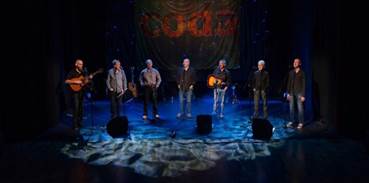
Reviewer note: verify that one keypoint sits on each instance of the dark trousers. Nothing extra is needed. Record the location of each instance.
(77, 109)
(151, 94)
(115, 102)
(257, 94)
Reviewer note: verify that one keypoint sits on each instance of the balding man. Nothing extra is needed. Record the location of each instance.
(296, 93)
(186, 79)
(77, 96)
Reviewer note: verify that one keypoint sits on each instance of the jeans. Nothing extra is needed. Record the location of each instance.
(219, 95)
(188, 95)
(151, 94)
(115, 102)
(257, 94)
(77, 109)
(300, 108)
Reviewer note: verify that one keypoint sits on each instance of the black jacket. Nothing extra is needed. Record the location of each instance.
(186, 78)
(296, 83)
(260, 80)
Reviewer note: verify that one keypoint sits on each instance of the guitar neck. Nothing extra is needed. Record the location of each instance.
(132, 74)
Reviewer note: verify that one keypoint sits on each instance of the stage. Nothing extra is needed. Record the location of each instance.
(235, 125)
(151, 149)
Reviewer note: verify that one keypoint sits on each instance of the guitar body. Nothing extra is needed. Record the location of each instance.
(133, 88)
(131, 85)
(78, 87)
(213, 81)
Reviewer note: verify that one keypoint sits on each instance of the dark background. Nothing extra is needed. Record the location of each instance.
(45, 37)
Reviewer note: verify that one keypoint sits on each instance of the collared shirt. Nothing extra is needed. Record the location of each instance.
(116, 80)
(150, 77)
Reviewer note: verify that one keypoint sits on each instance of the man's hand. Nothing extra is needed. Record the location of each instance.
(111, 89)
(179, 86)
(225, 88)
(78, 82)
(302, 99)
(191, 87)
(289, 97)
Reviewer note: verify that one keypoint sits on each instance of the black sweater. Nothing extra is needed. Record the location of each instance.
(260, 80)
(186, 78)
(296, 83)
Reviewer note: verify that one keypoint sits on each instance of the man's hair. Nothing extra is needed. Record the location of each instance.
(186, 59)
(262, 62)
(115, 61)
(77, 60)
(148, 61)
(223, 61)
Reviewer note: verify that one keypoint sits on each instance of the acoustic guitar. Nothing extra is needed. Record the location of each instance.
(131, 85)
(85, 81)
(213, 81)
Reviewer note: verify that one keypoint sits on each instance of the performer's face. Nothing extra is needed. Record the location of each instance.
(221, 65)
(79, 64)
(296, 63)
(117, 65)
(149, 65)
(186, 63)
(260, 67)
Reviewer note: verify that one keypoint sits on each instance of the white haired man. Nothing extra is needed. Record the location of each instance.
(260, 84)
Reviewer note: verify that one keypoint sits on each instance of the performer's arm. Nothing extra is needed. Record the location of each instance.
(124, 80)
(193, 79)
(141, 78)
(158, 77)
(178, 78)
(267, 81)
(303, 87)
(108, 79)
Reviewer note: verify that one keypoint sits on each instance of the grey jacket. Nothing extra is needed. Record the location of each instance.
(116, 80)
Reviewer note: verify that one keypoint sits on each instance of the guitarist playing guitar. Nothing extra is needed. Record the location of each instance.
(219, 80)
(77, 78)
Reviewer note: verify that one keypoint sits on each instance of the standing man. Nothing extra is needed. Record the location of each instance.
(186, 79)
(150, 80)
(73, 78)
(117, 86)
(220, 88)
(296, 93)
(260, 84)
